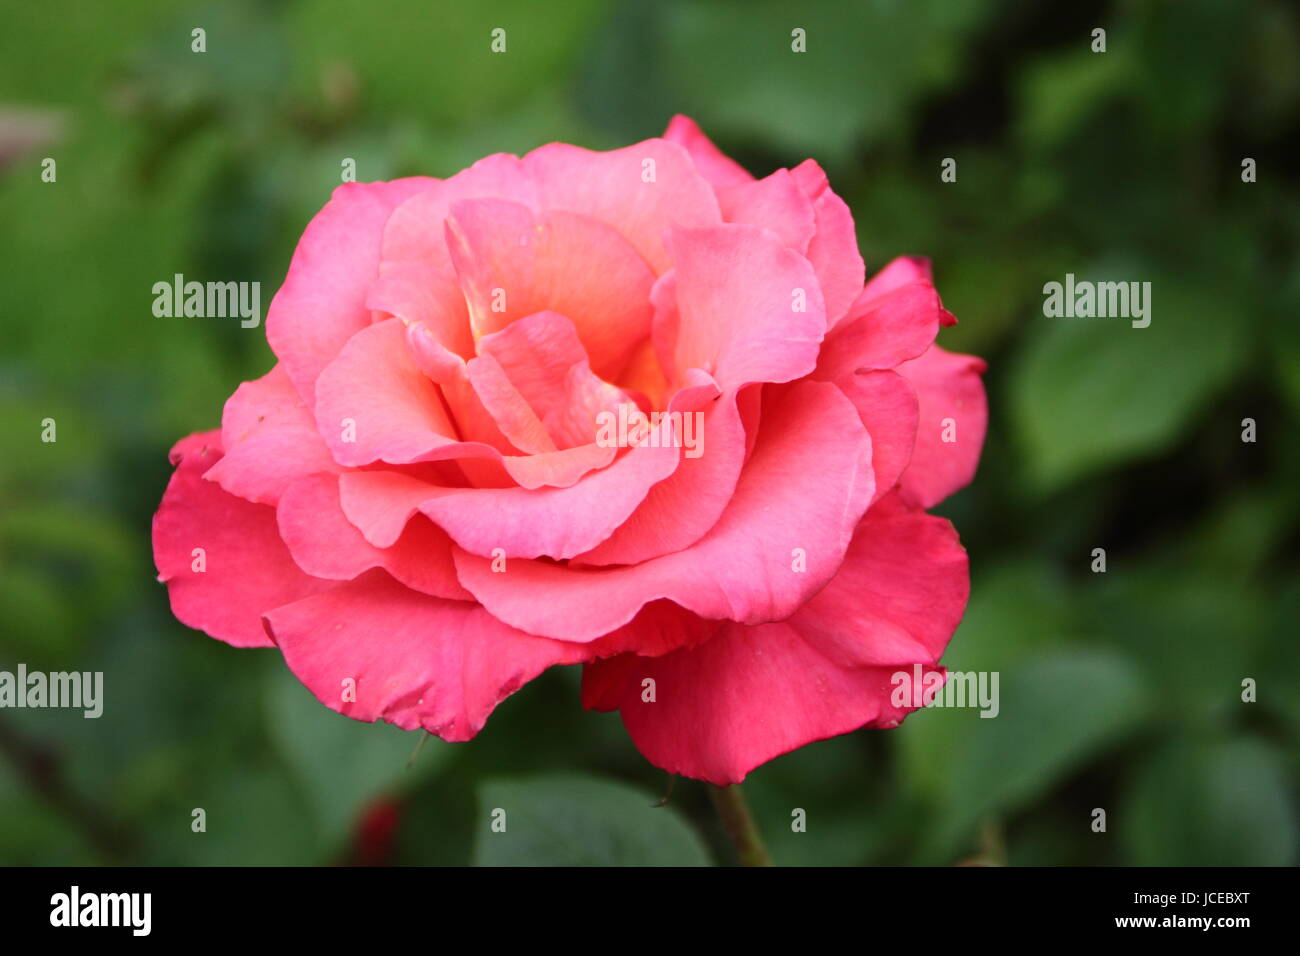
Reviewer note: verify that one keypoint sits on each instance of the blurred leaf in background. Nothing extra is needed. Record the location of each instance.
(555, 820)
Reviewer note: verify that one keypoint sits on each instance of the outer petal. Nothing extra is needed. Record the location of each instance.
(952, 405)
(802, 491)
(325, 545)
(833, 246)
(416, 229)
(247, 568)
(659, 628)
(833, 250)
(415, 661)
(739, 305)
(893, 321)
(714, 165)
(748, 694)
(322, 301)
(744, 696)
(641, 190)
(881, 331)
(904, 270)
(270, 440)
(899, 595)
(888, 407)
(775, 202)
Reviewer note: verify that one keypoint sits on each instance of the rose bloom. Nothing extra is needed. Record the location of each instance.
(412, 505)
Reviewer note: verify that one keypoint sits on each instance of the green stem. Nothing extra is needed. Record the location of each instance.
(733, 810)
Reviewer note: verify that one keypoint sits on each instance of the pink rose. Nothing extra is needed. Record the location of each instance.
(417, 505)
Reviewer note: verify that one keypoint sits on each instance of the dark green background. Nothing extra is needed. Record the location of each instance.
(1119, 690)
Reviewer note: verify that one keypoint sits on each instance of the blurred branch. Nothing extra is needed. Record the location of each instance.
(739, 823)
(39, 767)
(992, 846)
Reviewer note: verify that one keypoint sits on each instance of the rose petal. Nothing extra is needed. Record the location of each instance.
(374, 404)
(899, 595)
(322, 301)
(512, 263)
(325, 545)
(732, 307)
(887, 406)
(805, 487)
(426, 297)
(247, 569)
(555, 522)
(744, 696)
(952, 406)
(641, 190)
(270, 439)
(416, 230)
(547, 365)
(776, 203)
(881, 331)
(680, 509)
(748, 694)
(475, 423)
(658, 628)
(411, 660)
(833, 249)
(714, 165)
(508, 408)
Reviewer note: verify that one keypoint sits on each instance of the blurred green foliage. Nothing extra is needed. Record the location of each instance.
(1120, 690)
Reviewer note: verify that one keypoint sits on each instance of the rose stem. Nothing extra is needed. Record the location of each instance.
(733, 810)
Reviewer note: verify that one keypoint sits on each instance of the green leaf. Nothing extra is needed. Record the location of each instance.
(1284, 332)
(1195, 634)
(1055, 712)
(1059, 93)
(570, 820)
(1014, 610)
(1210, 804)
(814, 779)
(1190, 56)
(735, 70)
(254, 818)
(1094, 392)
(340, 763)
